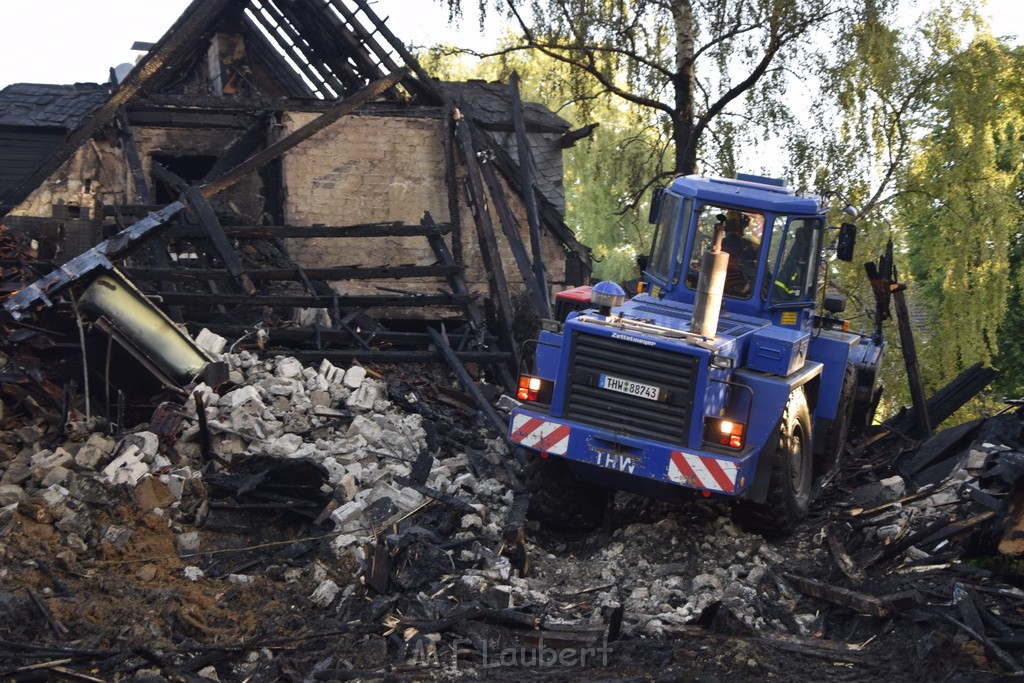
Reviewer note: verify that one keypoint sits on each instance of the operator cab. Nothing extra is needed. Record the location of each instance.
(773, 238)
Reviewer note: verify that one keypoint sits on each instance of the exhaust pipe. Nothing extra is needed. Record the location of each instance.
(710, 286)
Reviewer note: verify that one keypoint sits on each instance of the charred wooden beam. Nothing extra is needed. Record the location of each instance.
(336, 231)
(451, 181)
(466, 382)
(285, 336)
(487, 240)
(949, 399)
(171, 118)
(295, 274)
(99, 258)
(532, 216)
(246, 144)
(306, 301)
(356, 26)
(131, 155)
(174, 183)
(947, 442)
(273, 151)
(391, 356)
(208, 219)
(335, 49)
(326, 82)
(924, 423)
(423, 84)
(510, 227)
(933, 533)
(859, 602)
(456, 280)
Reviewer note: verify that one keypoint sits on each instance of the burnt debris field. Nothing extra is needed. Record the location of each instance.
(367, 523)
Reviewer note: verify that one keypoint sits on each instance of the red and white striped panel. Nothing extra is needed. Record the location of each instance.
(701, 472)
(533, 432)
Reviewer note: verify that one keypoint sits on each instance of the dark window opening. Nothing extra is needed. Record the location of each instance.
(191, 169)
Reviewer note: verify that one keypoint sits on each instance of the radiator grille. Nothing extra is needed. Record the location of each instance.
(587, 402)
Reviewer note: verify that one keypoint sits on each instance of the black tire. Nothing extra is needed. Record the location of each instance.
(792, 476)
(833, 434)
(561, 501)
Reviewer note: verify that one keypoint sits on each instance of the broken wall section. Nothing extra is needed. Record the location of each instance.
(371, 169)
(64, 215)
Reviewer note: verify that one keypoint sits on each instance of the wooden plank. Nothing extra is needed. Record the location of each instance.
(936, 448)
(451, 180)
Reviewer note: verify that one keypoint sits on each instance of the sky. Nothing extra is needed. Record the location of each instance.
(68, 41)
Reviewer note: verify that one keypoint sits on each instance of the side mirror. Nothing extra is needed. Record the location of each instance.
(847, 239)
(655, 211)
(834, 303)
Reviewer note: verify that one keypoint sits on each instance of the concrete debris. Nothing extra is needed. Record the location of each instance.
(314, 496)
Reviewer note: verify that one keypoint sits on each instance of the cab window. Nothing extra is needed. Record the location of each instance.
(661, 265)
(742, 231)
(794, 252)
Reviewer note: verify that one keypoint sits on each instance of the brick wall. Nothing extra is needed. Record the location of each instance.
(367, 169)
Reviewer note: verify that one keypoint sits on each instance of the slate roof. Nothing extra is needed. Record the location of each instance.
(34, 105)
(492, 105)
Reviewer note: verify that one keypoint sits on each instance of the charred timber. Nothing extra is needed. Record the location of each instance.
(391, 356)
(334, 273)
(284, 231)
(347, 301)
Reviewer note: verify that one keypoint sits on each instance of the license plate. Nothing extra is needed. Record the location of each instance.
(628, 386)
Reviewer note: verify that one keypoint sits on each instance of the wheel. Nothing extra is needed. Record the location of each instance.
(834, 433)
(792, 474)
(561, 501)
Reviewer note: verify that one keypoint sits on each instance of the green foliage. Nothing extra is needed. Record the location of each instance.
(919, 123)
(959, 205)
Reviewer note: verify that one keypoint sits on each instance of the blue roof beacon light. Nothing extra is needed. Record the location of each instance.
(607, 294)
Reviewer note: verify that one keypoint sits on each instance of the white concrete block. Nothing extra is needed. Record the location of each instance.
(211, 342)
(354, 377)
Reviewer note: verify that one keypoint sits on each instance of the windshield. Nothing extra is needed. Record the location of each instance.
(794, 251)
(742, 232)
(660, 266)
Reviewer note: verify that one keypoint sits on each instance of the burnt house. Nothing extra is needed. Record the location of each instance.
(289, 165)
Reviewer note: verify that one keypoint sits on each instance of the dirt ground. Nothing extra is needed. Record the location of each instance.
(118, 583)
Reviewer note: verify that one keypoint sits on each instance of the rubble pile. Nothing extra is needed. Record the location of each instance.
(327, 523)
